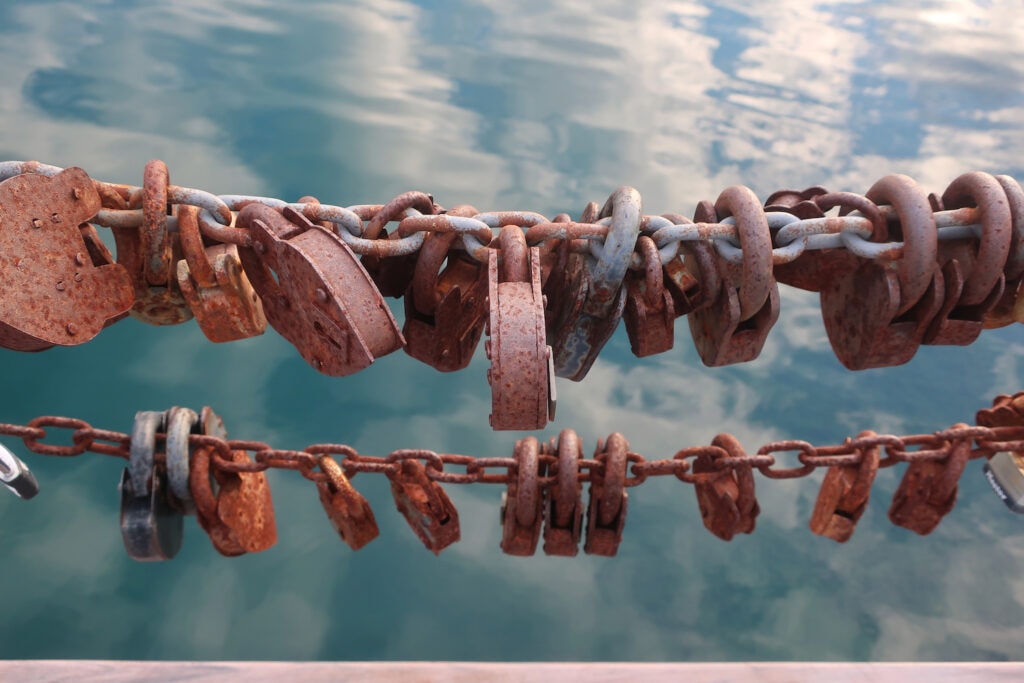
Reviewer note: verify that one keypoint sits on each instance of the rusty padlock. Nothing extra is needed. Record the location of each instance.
(609, 501)
(521, 375)
(445, 314)
(393, 274)
(973, 277)
(150, 528)
(315, 293)
(349, 512)
(650, 312)
(149, 253)
(425, 505)
(844, 495)
(927, 491)
(1010, 307)
(563, 502)
(878, 315)
(239, 515)
(587, 302)
(727, 502)
(53, 293)
(214, 285)
(522, 505)
(734, 327)
(695, 286)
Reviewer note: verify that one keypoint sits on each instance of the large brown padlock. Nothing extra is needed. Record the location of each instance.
(315, 292)
(239, 514)
(446, 312)
(393, 274)
(650, 312)
(727, 502)
(609, 501)
(53, 293)
(973, 276)
(349, 512)
(522, 505)
(928, 490)
(521, 373)
(734, 327)
(563, 502)
(844, 495)
(1010, 307)
(877, 315)
(216, 288)
(425, 505)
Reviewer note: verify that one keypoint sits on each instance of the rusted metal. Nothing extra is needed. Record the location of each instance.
(927, 491)
(348, 511)
(393, 275)
(522, 505)
(342, 323)
(521, 378)
(650, 312)
(844, 495)
(608, 500)
(425, 505)
(726, 501)
(150, 528)
(211, 279)
(53, 293)
(563, 502)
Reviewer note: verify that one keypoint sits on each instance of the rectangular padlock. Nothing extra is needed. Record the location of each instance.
(1005, 473)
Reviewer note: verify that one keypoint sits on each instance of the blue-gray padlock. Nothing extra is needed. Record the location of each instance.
(586, 301)
(151, 529)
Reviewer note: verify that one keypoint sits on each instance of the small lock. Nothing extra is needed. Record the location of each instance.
(16, 476)
(1005, 473)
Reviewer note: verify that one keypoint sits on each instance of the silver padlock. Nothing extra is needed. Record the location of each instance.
(1005, 472)
(15, 475)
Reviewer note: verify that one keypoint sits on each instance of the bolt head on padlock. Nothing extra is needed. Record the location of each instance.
(15, 475)
(1005, 473)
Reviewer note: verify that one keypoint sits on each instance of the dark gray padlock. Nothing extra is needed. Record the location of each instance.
(151, 529)
(179, 423)
(15, 475)
(1005, 473)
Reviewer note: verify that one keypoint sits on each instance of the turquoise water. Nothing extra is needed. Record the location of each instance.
(541, 106)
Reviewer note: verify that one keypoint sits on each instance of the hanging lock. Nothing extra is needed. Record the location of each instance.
(151, 528)
(393, 274)
(844, 495)
(16, 476)
(727, 502)
(315, 293)
(1004, 471)
(877, 316)
(609, 501)
(563, 502)
(239, 515)
(973, 276)
(349, 512)
(650, 312)
(522, 506)
(521, 375)
(586, 303)
(928, 490)
(1010, 308)
(734, 327)
(53, 293)
(216, 288)
(445, 314)
(425, 505)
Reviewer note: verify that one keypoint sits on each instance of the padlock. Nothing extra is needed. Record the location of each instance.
(315, 293)
(727, 502)
(1005, 474)
(349, 512)
(692, 287)
(150, 252)
(150, 528)
(563, 502)
(1010, 307)
(179, 423)
(587, 302)
(521, 375)
(609, 501)
(928, 490)
(16, 476)
(425, 505)
(393, 274)
(973, 278)
(878, 315)
(53, 294)
(221, 537)
(216, 288)
(445, 314)
(734, 327)
(844, 495)
(650, 312)
(522, 505)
